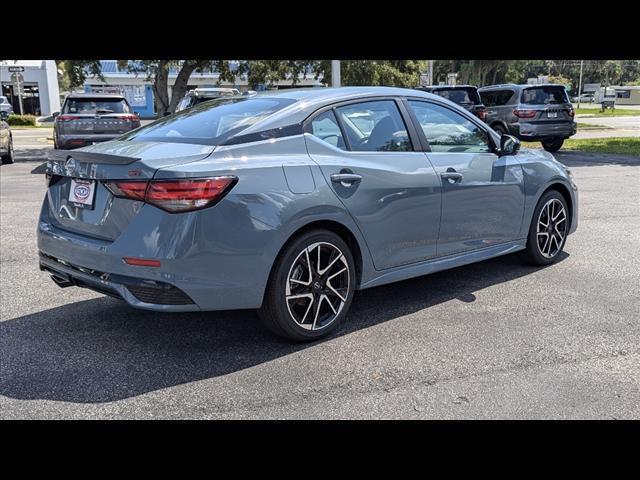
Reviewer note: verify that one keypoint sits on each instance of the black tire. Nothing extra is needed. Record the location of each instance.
(10, 156)
(534, 254)
(552, 144)
(277, 313)
(499, 129)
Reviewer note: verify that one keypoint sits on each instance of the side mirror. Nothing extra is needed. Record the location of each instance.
(55, 114)
(509, 145)
(4, 115)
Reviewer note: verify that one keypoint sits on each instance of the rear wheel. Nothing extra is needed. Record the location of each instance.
(9, 157)
(548, 230)
(552, 144)
(310, 288)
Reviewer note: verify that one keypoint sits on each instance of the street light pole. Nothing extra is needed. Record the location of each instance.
(580, 84)
(335, 73)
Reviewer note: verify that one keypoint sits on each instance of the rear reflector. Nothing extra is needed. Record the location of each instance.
(181, 195)
(141, 262)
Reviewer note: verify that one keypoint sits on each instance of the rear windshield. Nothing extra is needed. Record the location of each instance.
(210, 123)
(544, 96)
(96, 105)
(467, 96)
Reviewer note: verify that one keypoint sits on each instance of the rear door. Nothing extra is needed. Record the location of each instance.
(482, 194)
(366, 155)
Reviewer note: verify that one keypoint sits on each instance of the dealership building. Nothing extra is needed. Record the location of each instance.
(39, 80)
(138, 90)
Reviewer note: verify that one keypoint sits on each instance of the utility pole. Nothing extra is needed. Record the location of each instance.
(335, 73)
(580, 84)
(431, 72)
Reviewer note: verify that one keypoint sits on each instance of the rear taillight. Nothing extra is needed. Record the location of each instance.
(524, 113)
(174, 196)
(129, 118)
(482, 115)
(66, 118)
(571, 112)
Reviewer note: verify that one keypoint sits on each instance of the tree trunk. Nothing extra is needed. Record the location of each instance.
(180, 86)
(161, 87)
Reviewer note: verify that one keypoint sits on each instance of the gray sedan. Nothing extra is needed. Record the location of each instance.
(290, 202)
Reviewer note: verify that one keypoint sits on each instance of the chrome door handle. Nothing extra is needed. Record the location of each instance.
(346, 179)
(452, 177)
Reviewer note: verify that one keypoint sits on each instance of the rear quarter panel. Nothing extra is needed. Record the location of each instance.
(264, 209)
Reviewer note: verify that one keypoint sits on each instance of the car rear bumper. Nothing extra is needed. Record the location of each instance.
(212, 273)
(77, 141)
(541, 131)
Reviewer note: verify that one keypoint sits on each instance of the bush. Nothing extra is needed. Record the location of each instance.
(22, 120)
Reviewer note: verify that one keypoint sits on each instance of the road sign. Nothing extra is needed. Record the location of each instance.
(17, 78)
(16, 69)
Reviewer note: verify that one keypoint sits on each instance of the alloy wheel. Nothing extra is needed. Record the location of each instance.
(552, 228)
(317, 286)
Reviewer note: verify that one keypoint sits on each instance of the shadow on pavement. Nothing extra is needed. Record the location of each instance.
(101, 350)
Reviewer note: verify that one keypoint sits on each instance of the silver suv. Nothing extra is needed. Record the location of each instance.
(530, 112)
(88, 118)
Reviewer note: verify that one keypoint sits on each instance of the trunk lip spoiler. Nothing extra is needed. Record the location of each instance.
(90, 157)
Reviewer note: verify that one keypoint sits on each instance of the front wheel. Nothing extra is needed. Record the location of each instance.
(552, 145)
(548, 230)
(310, 288)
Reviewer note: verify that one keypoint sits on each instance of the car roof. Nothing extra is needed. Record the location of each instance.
(448, 87)
(520, 86)
(308, 100)
(95, 95)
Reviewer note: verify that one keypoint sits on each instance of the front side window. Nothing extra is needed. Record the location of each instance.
(374, 127)
(96, 105)
(210, 123)
(448, 131)
(326, 128)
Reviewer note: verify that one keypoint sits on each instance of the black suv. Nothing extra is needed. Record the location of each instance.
(464, 95)
(530, 112)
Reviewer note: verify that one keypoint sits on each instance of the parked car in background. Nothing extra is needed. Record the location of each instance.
(464, 95)
(531, 112)
(6, 139)
(585, 97)
(199, 95)
(5, 105)
(89, 118)
(290, 201)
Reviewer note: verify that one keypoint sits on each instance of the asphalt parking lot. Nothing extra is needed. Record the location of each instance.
(492, 340)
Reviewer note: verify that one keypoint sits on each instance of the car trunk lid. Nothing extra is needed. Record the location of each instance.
(83, 172)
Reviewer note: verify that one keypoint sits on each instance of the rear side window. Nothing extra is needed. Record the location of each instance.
(496, 98)
(326, 128)
(374, 127)
(96, 105)
(544, 96)
(210, 123)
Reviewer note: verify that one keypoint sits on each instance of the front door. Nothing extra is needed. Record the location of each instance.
(482, 193)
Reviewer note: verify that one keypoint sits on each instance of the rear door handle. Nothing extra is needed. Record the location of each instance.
(346, 179)
(452, 177)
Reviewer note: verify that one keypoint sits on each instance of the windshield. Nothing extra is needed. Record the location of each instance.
(460, 95)
(210, 123)
(544, 96)
(96, 105)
